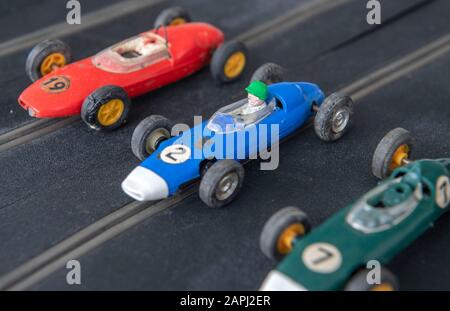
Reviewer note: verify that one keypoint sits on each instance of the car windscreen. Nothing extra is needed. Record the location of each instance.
(237, 116)
(370, 215)
(132, 54)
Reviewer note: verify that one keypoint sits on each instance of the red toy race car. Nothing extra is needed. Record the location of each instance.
(100, 87)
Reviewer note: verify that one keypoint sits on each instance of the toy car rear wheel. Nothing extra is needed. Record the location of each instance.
(229, 61)
(358, 282)
(172, 17)
(269, 73)
(106, 108)
(149, 134)
(334, 117)
(282, 230)
(221, 183)
(46, 57)
(392, 152)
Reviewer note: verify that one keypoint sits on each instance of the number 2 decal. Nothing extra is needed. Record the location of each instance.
(176, 154)
(56, 84)
(322, 257)
(443, 191)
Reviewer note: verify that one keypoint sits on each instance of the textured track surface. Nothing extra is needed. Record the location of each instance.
(56, 185)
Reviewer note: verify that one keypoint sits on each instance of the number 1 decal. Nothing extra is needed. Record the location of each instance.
(322, 258)
(176, 154)
(443, 192)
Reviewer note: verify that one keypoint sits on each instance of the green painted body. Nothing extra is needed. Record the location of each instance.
(356, 247)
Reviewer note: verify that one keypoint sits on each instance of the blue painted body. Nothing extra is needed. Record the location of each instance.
(296, 100)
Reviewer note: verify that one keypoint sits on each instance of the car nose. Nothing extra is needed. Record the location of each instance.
(145, 185)
(277, 281)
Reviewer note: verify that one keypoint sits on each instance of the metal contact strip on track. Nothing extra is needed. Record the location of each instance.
(32, 131)
(87, 239)
(132, 214)
(92, 19)
(253, 36)
(399, 68)
(23, 130)
(288, 20)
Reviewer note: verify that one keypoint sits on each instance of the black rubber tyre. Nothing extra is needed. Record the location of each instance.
(358, 282)
(269, 73)
(221, 57)
(205, 165)
(149, 134)
(277, 225)
(40, 52)
(334, 117)
(93, 103)
(384, 153)
(171, 16)
(221, 183)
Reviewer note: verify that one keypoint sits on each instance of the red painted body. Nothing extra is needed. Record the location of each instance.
(190, 46)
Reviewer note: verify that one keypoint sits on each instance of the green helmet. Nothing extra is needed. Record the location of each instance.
(258, 89)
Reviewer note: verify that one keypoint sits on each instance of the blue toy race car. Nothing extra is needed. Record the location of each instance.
(213, 151)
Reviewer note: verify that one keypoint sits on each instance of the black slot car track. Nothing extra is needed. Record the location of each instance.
(57, 184)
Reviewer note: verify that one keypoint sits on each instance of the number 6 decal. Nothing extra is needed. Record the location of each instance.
(176, 154)
(443, 191)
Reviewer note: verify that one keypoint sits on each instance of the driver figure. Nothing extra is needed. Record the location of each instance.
(252, 110)
(257, 95)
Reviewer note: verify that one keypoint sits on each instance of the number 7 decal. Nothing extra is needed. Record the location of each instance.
(322, 257)
(443, 192)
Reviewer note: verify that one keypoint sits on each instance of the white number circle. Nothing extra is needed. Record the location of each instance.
(443, 191)
(176, 154)
(322, 258)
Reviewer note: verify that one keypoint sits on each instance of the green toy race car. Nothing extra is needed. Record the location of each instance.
(378, 226)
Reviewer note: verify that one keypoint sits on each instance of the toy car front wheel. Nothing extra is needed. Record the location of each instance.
(172, 17)
(149, 134)
(282, 230)
(46, 57)
(334, 117)
(393, 151)
(268, 73)
(106, 108)
(221, 183)
(229, 61)
(358, 282)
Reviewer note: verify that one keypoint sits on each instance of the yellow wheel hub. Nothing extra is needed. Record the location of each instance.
(178, 21)
(400, 155)
(110, 112)
(383, 287)
(287, 237)
(52, 62)
(234, 65)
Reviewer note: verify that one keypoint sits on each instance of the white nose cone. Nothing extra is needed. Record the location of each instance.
(144, 185)
(277, 281)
